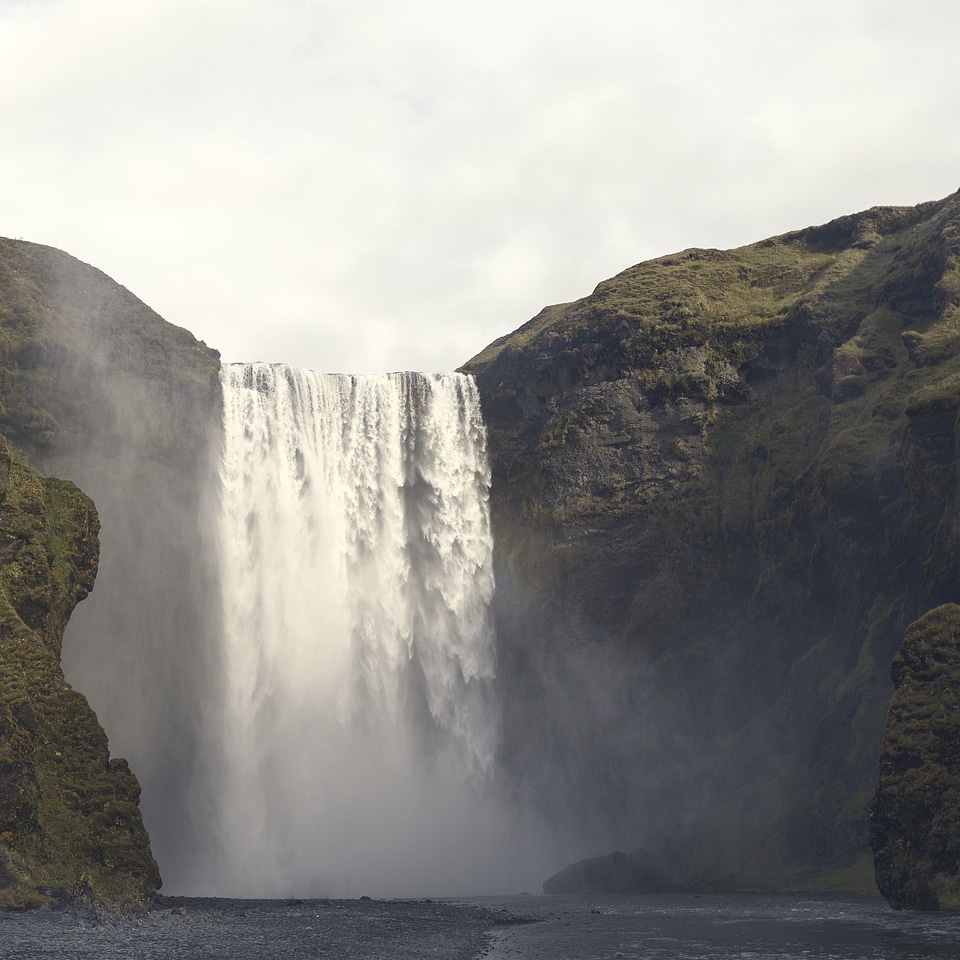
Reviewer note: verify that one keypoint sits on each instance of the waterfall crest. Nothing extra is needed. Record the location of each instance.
(357, 716)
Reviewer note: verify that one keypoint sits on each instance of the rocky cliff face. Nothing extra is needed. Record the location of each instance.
(915, 819)
(69, 821)
(724, 484)
(97, 388)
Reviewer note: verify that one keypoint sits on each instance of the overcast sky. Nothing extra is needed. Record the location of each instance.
(366, 185)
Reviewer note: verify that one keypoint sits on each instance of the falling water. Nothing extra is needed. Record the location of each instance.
(358, 727)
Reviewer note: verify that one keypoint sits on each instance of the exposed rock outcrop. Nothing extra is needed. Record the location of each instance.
(69, 820)
(915, 819)
(724, 484)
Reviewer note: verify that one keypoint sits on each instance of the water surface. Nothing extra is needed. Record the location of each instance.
(664, 927)
(746, 927)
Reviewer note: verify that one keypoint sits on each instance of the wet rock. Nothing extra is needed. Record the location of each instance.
(70, 827)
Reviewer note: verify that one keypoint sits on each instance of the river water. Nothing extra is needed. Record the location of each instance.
(745, 927)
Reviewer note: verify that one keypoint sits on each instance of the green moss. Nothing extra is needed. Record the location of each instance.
(559, 431)
(68, 814)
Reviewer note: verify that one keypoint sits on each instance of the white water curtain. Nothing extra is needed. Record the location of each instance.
(357, 723)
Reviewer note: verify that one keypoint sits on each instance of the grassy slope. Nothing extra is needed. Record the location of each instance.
(71, 341)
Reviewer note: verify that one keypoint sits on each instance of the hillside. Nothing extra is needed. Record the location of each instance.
(98, 389)
(724, 484)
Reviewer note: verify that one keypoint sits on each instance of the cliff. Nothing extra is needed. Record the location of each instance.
(69, 821)
(724, 484)
(96, 388)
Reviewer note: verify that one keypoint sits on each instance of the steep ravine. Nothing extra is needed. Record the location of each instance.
(724, 483)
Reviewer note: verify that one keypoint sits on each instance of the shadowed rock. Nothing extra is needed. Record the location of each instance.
(915, 819)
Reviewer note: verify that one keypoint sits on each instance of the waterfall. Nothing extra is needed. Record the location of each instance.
(357, 724)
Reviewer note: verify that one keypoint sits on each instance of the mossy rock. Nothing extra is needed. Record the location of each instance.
(915, 818)
(68, 813)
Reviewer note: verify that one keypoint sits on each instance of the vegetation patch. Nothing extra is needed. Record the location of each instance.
(68, 813)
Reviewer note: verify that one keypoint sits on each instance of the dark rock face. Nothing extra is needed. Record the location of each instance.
(97, 388)
(724, 484)
(915, 819)
(69, 814)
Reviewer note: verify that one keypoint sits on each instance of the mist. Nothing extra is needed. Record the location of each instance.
(138, 415)
(359, 727)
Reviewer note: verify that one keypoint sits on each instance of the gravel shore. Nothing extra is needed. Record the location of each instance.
(204, 929)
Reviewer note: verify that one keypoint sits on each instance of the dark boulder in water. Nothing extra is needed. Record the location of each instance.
(616, 873)
(915, 820)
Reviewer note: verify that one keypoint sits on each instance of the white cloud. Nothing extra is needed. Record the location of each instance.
(373, 186)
